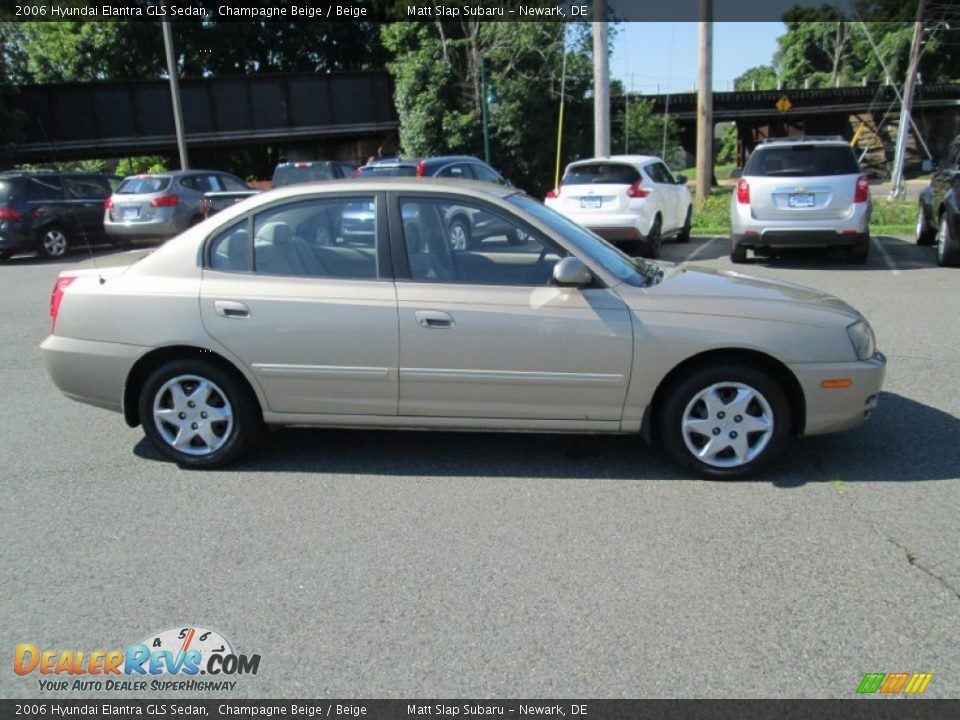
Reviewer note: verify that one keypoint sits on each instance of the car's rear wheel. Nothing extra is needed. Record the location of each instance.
(926, 235)
(459, 233)
(725, 422)
(859, 253)
(197, 413)
(650, 246)
(948, 247)
(684, 235)
(738, 253)
(54, 243)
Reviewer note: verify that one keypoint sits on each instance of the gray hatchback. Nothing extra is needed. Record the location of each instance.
(161, 205)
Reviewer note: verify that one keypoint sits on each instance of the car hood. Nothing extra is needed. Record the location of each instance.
(705, 291)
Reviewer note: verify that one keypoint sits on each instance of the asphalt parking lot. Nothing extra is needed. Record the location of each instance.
(397, 564)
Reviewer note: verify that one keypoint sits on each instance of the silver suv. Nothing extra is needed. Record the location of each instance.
(806, 192)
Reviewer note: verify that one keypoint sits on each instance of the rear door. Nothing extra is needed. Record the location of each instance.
(597, 188)
(83, 200)
(802, 182)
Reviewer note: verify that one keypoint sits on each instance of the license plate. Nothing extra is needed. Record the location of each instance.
(800, 200)
(589, 203)
(130, 213)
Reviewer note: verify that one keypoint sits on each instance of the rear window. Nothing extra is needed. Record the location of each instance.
(143, 185)
(601, 174)
(293, 174)
(388, 171)
(802, 161)
(6, 190)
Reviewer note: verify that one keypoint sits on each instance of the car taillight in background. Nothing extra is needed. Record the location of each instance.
(205, 207)
(863, 190)
(108, 203)
(302, 165)
(553, 194)
(165, 201)
(56, 296)
(8, 214)
(421, 169)
(354, 174)
(635, 191)
(743, 191)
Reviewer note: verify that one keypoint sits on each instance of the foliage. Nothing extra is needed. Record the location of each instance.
(142, 164)
(647, 133)
(727, 152)
(437, 78)
(765, 76)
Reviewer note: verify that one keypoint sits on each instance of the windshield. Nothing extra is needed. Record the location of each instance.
(295, 174)
(638, 273)
(143, 185)
(802, 161)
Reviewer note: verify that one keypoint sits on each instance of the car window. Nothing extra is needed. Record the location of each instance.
(230, 250)
(231, 184)
(320, 237)
(486, 174)
(659, 173)
(143, 185)
(297, 173)
(201, 183)
(802, 161)
(462, 242)
(42, 188)
(458, 171)
(601, 173)
(85, 188)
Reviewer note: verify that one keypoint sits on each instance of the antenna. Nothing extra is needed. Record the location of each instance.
(82, 233)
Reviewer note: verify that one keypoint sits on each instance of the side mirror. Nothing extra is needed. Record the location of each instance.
(571, 272)
(736, 173)
(681, 179)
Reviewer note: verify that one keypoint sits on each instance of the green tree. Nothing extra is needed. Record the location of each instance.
(647, 133)
(764, 76)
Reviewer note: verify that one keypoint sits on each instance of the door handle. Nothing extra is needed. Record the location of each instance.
(433, 319)
(231, 309)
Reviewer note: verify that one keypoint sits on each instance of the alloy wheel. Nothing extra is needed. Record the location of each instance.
(727, 424)
(192, 415)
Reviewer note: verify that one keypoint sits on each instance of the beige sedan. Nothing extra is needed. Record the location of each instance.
(349, 304)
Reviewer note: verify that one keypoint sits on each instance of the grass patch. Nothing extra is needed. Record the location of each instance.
(890, 217)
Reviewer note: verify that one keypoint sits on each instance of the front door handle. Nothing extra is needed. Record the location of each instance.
(433, 319)
(231, 309)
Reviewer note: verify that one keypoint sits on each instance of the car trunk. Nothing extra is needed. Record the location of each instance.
(807, 198)
(599, 188)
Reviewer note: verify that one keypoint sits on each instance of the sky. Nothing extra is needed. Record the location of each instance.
(647, 54)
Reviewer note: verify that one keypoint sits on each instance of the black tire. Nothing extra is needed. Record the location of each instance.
(5, 255)
(948, 246)
(684, 399)
(230, 439)
(54, 243)
(684, 235)
(458, 233)
(649, 247)
(738, 253)
(859, 254)
(926, 235)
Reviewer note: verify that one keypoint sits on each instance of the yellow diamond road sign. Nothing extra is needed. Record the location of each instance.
(783, 104)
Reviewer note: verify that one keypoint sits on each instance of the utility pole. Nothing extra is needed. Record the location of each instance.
(896, 176)
(601, 81)
(175, 94)
(705, 104)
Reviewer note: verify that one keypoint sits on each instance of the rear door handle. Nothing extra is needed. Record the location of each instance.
(231, 309)
(433, 319)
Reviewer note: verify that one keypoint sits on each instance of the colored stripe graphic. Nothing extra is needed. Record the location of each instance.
(894, 683)
(870, 683)
(918, 683)
(908, 683)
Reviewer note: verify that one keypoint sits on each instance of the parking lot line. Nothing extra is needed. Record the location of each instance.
(886, 256)
(698, 250)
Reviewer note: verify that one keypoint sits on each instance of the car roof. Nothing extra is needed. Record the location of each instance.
(631, 159)
(398, 184)
(415, 161)
(769, 143)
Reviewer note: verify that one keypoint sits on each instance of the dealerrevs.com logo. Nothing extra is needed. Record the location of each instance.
(182, 653)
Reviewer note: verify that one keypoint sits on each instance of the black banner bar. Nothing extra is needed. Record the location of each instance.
(855, 709)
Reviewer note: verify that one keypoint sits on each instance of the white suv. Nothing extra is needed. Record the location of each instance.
(798, 192)
(625, 199)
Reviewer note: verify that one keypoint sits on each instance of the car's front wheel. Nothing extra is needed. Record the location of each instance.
(726, 421)
(926, 235)
(54, 243)
(197, 413)
(948, 246)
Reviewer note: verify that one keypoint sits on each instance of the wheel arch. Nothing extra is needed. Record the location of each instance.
(142, 369)
(777, 370)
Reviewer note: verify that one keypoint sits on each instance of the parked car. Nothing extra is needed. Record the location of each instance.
(631, 200)
(298, 326)
(287, 173)
(938, 213)
(801, 192)
(49, 212)
(161, 205)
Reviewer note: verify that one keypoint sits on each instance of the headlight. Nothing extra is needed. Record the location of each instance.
(861, 335)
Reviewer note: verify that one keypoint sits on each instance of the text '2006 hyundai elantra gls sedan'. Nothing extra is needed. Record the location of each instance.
(272, 313)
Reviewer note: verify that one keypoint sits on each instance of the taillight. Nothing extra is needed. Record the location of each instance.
(205, 207)
(863, 190)
(9, 214)
(302, 165)
(165, 201)
(108, 203)
(553, 194)
(421, 169)
(56, 296)
(743, 191)
(635, 191)
(355, 174)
